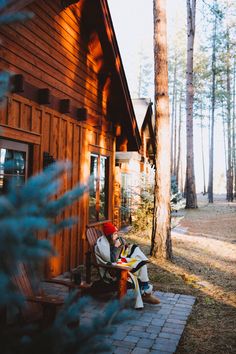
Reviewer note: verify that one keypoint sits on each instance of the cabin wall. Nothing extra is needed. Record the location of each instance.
(51, 52)
(64, 138)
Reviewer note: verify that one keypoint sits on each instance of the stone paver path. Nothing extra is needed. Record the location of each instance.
(155, 329)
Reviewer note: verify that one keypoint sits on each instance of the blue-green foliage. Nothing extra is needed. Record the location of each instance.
(79, 337)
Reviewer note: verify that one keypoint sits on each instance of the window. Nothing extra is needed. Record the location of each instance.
(98, 193)
(13, 164)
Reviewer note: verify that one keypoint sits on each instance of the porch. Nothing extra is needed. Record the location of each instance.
(155, 329)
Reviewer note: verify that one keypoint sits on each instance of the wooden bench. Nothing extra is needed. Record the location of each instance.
(92, 234)
(38, 306)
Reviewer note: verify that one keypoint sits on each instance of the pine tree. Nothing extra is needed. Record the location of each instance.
(161, 246)
(190, 189)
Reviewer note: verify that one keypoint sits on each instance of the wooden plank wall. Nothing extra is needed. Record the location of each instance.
(51, 52)
(63, 138)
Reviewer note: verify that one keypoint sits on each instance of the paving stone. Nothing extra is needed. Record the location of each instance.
(180, 305)
(153, 329)
(119, 335)
(124, 343)
(158, 322)
(161, 352)
(169, 335)
(174, 325)
(137, 333)
(165, 347)
(173, 330)
(176, 321)
(145, 343)
(169, 341)
(137, 323)
(130, 338)
(152, 335)
(170, 294)
(121, 351)
(139, 328)
(138, 350)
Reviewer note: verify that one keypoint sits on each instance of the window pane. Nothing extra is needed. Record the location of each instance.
(14, 169)
(103, 188)
(92, 191)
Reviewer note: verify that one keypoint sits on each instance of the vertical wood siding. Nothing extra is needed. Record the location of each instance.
(63, 138)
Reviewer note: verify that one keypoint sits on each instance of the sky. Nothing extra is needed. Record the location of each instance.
(133, 23)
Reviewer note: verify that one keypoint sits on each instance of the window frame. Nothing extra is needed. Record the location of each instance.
(17, 146)
(106, 155)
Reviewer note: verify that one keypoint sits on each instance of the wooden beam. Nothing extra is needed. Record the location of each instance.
(18, 83)
(64, 106)
(44, 96)
(81, 114)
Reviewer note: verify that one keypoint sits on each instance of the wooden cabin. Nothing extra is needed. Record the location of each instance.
(135, 169)
(69, 99)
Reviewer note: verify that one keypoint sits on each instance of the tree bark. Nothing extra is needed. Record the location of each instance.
(161, 245)
(175, 139)
(190, 188)
(229, 176)
(211, 152)
(173, 115)
(234, 128)
(179, 141)
(203, 158)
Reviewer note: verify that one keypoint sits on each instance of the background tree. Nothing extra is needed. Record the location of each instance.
(145, 76)
(190, 188)
(213, 103)
(161, 246)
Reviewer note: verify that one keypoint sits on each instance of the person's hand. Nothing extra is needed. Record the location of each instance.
(117, 243)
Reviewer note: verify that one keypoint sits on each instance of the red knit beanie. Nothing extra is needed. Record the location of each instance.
(109, 228)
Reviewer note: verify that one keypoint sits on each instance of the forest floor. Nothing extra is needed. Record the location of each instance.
(204, 265)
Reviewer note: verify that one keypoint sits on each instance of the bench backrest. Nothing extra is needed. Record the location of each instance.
(29, 311)
(92, 234)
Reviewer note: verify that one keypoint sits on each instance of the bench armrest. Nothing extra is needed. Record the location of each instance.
(113, 266)
(68, 283)
(46, 300)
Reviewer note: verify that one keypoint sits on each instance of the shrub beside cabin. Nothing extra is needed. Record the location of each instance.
(69, 100)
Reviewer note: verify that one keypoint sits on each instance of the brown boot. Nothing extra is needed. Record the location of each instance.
(150, 299)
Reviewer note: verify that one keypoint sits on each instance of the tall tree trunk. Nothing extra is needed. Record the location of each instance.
(211, 152)
(224, 136)
(229, 126)
(234, 127)
(203, 158)
(175, 137)
(190, 188)
(179, 141)
(161, 246)
(173, 116)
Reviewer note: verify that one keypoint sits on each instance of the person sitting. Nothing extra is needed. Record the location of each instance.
(112, 248)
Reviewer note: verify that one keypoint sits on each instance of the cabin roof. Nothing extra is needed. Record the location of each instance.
(135, 134)
(127, 114)
(141, 106)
